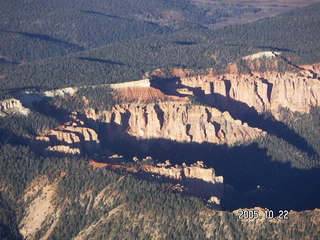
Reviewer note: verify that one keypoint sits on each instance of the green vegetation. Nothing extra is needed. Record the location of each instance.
(133, 38)
(141, 203)
(129, 207)
(19, 128)
(306, 125)
(8, 224)
(100, 97)
(35, 31)
(295, 34)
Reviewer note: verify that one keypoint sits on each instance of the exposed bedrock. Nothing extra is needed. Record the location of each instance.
(298, 90)
(198, 179)
(176, 121)
(68, 139)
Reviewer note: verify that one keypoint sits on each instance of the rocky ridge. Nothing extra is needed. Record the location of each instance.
(72, 138)
(224, 98)
(195, 179)
(194, 171)
(12, 106)
(159, 108)
(176, 121)
(45, 210)
(267, 90)
(264, 92)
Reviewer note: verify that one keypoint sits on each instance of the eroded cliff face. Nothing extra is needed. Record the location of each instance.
(176, 121)
(297, 89)
(44, 208)
(195, 179)
(163, 110)
(182, 122)
(40, 211)
(160, 108)
(264, 92)
(196, 171)
(265, 81)
(72, 138)
(12, 106)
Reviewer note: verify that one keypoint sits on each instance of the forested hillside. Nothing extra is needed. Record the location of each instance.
(295, 34)
(99, 204)
(36, 30)
(230, 120)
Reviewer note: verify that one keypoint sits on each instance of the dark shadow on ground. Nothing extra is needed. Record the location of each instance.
(257, 179)
(100, 60)
(193, 187)
(185, 43)
(238, 110)
(92, 12)
(103, 14)
(270, 48)
(242, 111)
(9, 228)
(8, 137)
(47, 38)
(6, 62)
(265, 48)
(16, 91)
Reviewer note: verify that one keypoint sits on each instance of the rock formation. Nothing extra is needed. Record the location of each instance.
(12, 106)
(159, 108)
(171, 172)
(196, 178)
(176, 121)
(195, 171)
(264, 91)
(146, 94)
(68, 139)
(114, 167)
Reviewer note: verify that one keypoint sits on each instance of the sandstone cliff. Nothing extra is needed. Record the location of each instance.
(297, 89)
(160, 108)
(69, 139)
(196, 178)
(12, 106)
(146, 94)
(265, 81)
(176, 121)
(196, 171)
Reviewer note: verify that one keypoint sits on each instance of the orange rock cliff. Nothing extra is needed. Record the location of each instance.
(162, 108)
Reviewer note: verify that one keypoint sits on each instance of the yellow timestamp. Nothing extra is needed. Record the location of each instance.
(251, 214)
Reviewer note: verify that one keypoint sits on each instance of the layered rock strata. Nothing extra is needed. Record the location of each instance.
(270, 90)
(159, 108)
(196, 178)
(69, 139)
(195, 171)
(176, 121)
(12, 106)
